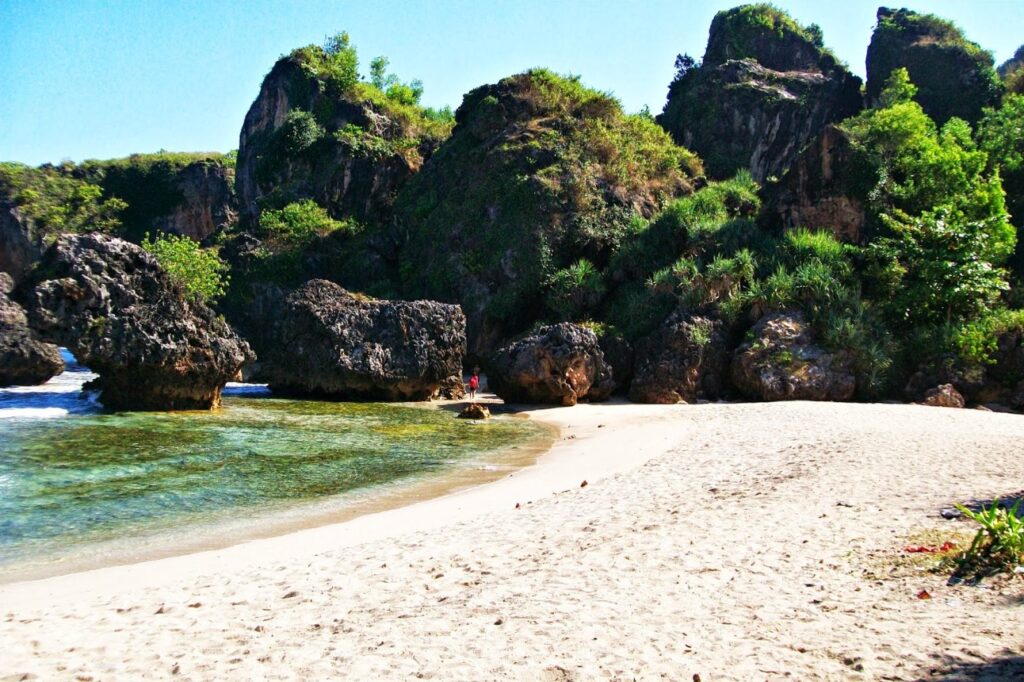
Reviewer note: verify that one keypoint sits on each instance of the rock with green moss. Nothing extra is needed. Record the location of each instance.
(311, 134)
(1012, 72)
(539, 172)
(765, 88)
(684, 360)
(954, 76)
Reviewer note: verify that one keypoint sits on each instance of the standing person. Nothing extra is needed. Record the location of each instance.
(474, 383)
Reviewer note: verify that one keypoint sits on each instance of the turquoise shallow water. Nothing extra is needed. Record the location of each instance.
(78, 485)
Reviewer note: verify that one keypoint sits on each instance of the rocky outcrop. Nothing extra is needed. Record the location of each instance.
(24, 361)
(20, 246)
(530, 181)
(816, 192)
(954, 77)
(685, 360)
(765, 89)
(121, 315)
(783, 362)
(303, 139)
(943, 396)
(331, 343)
(561, 364)
(207, 201)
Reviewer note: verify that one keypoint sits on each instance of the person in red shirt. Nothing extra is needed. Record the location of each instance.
(474, 383)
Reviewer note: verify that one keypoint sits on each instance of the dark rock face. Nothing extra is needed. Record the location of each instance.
(347, 180)
(816, 193)
(208, 201)
(685, 360)
(24, 361)
(784, 363)
(113, 306)
(761, 94)
(954, 76)
(329, 342)
(943, 396)
(20, 247)
(620, 355)
(561, 364)
(475, 411)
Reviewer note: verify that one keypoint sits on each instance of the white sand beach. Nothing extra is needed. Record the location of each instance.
(746, 541)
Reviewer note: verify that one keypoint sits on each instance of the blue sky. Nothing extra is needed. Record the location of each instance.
(98, 79)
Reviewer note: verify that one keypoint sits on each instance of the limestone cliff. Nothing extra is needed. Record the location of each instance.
(765, 88)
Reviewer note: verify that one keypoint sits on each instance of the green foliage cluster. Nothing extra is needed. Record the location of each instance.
(300, 223)
(1001, 135)
(999, 542)
(57, 200)
(200, 272)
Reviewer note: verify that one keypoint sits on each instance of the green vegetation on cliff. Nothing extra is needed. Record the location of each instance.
(200, 272)
(540, 172)
(56, 200)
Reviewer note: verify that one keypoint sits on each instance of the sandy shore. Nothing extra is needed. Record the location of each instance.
(753, 541)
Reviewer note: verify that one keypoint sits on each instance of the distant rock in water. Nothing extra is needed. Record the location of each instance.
(954, 77)
(686, 359)
(120, 314)
(24, 361)
(560, 364)
(765, 88)
(475, 411)
(818, 193)
(328, 342)
(783, 362)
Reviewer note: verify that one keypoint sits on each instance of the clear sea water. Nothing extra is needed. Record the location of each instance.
(80, 487)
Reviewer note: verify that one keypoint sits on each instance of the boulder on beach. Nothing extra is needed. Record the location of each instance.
(944, 396)
(475, 411)
(684, 360)
(783, 362)
(560, 364)
(329, 342)
(121, 315)
(24, 360)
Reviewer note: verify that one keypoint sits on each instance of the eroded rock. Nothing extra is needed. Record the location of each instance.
(944, 396)
(560, 364)
(121, 315)
(24, 361)
(685, 360)
(783, 362)
(329, 342)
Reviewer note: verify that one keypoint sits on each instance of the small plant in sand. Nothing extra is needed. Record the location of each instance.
(999, 543)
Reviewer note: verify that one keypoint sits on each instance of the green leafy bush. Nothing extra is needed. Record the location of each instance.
(58, 201)
(299, 223)
(999, 543)
(201, 272)
(575, 290)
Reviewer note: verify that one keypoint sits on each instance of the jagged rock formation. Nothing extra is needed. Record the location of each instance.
(683, 361)
(119, 313)
(783, 362)
(817, 191)
(764, 90)
(328, 342)
(304, 139)
(24, 361)
(20, 245)
(560, 364)
(954, 76)
(475, 411)
(536, 175)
